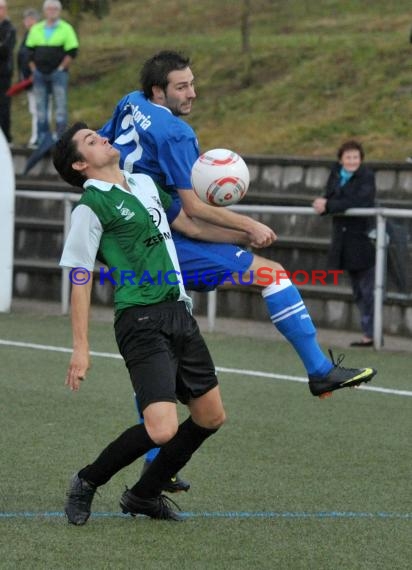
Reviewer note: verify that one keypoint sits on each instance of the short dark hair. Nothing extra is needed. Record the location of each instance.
(351, 145)
(156, 69)
(65, 152)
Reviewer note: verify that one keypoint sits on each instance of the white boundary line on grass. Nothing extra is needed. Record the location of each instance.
(223, 369)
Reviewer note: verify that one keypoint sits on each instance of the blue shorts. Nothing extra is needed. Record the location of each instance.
(206, 265)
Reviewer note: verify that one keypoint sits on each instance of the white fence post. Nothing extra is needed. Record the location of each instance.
(211, 310)
(380, 263)
(65, 285)
(6, 225)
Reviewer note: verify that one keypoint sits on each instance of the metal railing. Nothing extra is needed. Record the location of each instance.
(68, 199)
(381, 215)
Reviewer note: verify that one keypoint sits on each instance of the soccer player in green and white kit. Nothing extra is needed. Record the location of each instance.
(121, 218)
(148, 129)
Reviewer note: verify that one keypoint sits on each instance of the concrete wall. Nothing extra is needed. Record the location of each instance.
(302, 244)
(299, 179)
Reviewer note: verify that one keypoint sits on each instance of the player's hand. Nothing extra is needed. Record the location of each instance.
(76, 373)
(261, 235)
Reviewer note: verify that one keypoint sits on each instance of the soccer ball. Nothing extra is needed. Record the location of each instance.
(220, 177)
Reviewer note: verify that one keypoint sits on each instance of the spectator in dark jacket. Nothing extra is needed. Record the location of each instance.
(352, 185)
(30, 17)
(7, 43)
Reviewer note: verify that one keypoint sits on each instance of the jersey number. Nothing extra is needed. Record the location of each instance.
(125, 138)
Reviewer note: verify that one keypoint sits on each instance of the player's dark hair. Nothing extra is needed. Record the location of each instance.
(65, 153)
(156, 69)
(350, 145)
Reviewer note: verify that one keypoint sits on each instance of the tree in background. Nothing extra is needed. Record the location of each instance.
(245, 39)
(245, 26)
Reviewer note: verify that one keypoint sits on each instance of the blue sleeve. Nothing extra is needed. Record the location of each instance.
(109, 129)
(172, 207)
(176, 155)
(173, 211)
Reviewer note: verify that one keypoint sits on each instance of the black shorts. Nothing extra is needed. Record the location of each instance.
(165, 353)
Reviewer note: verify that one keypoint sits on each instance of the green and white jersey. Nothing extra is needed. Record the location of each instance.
(129, 232)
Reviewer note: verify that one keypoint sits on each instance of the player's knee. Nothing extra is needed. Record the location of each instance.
(220, 419)
(214, 420)
(161, 434)
(262, 263)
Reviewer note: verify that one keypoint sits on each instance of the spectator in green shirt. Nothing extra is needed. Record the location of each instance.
(52, 45)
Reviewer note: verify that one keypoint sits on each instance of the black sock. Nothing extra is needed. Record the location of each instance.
(130, 445)
(172, 457)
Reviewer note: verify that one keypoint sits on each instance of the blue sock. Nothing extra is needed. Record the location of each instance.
(152, 453)
(290, 316)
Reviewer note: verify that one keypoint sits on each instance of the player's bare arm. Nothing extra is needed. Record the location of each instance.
(201, 230)
(259, 234)
(80, 359)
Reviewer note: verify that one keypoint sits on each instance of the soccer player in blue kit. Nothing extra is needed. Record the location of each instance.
(152, 138)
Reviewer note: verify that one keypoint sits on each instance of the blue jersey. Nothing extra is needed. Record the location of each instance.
(153, 141)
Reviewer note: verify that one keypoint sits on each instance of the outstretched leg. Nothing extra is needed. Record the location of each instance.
(290, 316)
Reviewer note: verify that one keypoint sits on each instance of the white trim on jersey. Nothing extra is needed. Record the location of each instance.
(86, 230)
(149, 198)
(83, 241)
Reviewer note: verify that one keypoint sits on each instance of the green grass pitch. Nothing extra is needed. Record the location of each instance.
(290, 482)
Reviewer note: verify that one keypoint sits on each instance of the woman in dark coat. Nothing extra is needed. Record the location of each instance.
(352, 185)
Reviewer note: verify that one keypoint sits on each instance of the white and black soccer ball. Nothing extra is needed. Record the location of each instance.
(220, 177)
